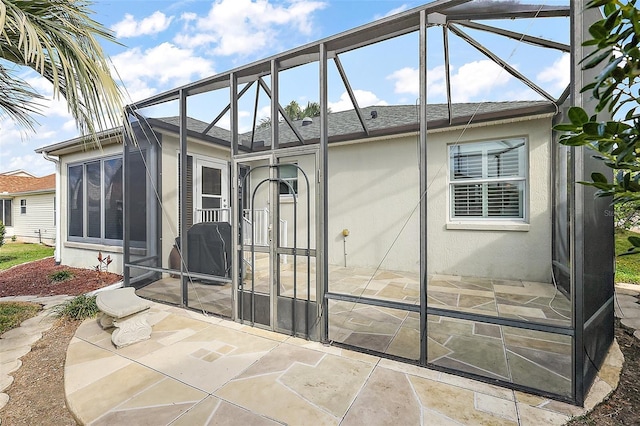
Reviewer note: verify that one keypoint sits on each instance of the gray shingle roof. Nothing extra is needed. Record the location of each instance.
(398, 118)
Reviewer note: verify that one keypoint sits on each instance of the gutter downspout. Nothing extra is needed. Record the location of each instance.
(56, 161)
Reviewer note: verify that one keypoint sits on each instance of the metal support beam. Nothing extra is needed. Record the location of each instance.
(274, 95)
(352, 95)
(422, 163)
(227, 108)
(283, 113)
(495, 58)
(184, 251)
(236, 212)
(536, 41)
(447, 71)
(323, 227)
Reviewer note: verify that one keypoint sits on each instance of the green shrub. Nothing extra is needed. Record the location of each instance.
(14, 238)
(59, 276)
(79, 308)
(2, 231)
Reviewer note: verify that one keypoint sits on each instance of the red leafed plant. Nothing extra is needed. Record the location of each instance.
(103, 263)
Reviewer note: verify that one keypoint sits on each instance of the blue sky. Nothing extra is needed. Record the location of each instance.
(165, 44)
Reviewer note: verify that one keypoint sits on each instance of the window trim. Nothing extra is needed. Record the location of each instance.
(3, 210)
(23, 206)
(102, 240)
(289, 197)
(492, 223)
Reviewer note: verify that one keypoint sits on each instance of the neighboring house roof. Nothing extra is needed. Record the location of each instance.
(343, 125)
(11, 185)
(18, 172)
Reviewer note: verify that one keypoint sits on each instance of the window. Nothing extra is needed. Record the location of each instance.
(95, 201)
(23, 206)
(5, 212)
(488, 179)
(288, 173)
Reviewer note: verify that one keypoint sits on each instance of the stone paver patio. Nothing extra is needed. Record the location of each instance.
(198, 369)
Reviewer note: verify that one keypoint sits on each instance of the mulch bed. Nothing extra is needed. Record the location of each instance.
(32, 279)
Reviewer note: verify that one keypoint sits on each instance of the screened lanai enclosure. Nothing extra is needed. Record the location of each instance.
(444, 229)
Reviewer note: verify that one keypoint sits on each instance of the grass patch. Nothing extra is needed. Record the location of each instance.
(627, 267)
(78, 308)
(60, 276)
(13, 313)
(12, 254)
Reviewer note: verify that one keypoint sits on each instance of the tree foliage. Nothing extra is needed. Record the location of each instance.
(295, 112)
(59, 40)
(615, 141)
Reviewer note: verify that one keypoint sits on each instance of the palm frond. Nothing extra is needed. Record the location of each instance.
(59, 40)
(18, 99)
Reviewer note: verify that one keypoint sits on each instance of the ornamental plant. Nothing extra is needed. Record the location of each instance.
(616, 141)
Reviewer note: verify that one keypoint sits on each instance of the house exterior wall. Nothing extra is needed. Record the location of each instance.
(37, 223)
(81, 254)
(170, 179)
(504, 251)
(374, 193)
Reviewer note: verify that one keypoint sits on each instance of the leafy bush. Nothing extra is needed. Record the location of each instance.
(2, 231)
(79, 308)
(59, 276)
(615, 141)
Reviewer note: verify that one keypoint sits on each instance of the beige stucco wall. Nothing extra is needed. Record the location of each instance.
(373, 190)
(374, 193)
(498, 253)
(169, 215)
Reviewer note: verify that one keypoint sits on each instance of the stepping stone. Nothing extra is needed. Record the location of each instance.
(10, 367)
(5, 382)
(619, 298)
(4, 398)
(22, 332)
(631, 322)
(16, 342)
(627, 312)
(13, 354)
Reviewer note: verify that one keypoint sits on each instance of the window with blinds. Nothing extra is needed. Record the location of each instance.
(488, 179)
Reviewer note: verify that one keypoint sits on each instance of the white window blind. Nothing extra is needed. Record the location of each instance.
(488, 179)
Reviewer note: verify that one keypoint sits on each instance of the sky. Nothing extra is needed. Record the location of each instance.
(163, 44)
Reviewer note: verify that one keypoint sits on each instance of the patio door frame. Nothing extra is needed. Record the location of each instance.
(282, 318)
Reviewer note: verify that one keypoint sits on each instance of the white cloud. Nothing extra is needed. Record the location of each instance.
(364, 98)
(469, 82)
(246, 26)
(164, 65)
(394, 11)
(33, 163)
(558, 74)
(407, 80)
(152, 24)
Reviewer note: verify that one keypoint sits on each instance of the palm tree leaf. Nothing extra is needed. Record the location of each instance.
(18, 99)
(59, 40)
